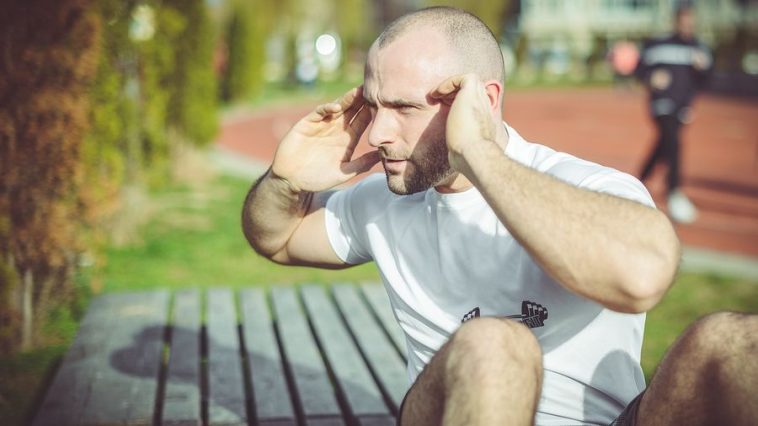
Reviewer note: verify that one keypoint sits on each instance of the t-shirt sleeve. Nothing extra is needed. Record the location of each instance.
(348, 211)
(594, 177)
(620, 184)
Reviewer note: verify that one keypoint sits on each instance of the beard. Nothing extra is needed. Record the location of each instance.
(424, 169)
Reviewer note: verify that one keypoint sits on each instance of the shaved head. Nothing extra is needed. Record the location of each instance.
(471, 42)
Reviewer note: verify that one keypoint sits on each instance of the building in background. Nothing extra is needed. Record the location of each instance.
(571, 38)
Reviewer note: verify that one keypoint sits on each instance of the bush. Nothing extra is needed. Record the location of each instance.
(52, 50)
(192, 107)
(245, 42)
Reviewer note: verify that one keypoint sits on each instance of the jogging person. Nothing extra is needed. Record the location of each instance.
(518, 274)
(672, 69)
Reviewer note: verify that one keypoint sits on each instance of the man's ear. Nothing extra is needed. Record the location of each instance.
(494, 90)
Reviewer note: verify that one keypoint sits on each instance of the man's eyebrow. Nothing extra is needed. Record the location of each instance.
(402, 103)
(394, 103)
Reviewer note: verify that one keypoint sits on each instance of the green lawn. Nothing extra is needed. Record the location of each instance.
(193, 239)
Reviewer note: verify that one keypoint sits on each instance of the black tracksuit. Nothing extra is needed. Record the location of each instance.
(669, 105)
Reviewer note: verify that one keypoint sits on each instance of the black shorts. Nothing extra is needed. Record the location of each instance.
(628, 417)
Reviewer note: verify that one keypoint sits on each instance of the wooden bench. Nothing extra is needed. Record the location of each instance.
(306, 355)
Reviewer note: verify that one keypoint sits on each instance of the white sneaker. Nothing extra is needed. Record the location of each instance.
(681, 208)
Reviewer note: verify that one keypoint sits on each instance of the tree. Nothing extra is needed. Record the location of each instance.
(192, 107)
(355, 27)
(50, 59)
(246, 33)
(491, 12)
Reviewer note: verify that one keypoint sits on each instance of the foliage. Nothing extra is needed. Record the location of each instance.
(156, 66)
(192, 84)
(50, 51)
(355, 27)
(23, 377)
(492, 13)
(245, 42)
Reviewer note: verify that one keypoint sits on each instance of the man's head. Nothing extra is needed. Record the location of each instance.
(405, 64)
(685, 21)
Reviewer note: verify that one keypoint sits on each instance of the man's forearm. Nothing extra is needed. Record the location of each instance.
(615, 251)
(271, 213)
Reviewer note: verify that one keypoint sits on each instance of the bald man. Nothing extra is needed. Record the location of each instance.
(519, 275)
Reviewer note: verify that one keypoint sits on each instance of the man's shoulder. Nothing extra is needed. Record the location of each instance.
(542, 157)
(578, 171)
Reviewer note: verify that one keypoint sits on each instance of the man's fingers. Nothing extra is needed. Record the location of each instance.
(351, 102)
(346, 100)
(361, 164)
(323, 111)
(360, 122)
(452, 85)
(347, 104)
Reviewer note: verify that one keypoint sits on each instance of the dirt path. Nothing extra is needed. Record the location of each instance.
(611, 127)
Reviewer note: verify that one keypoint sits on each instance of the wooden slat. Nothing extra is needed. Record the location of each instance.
(68, 393)
(353, 377)
(181, 401)
(273, 405)
(226, 388)
(383, 358)
(380, 304)
(315, 393)
(124, 391)
(112, 374)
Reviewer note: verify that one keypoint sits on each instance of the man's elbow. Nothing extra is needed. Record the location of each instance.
(265, 247)
(270, 252)
(644, 294)
(646, 284)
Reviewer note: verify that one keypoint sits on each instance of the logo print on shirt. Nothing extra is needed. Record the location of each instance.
(532, 314)
(474, 313)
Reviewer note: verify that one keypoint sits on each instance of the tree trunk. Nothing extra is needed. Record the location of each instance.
(27, 313)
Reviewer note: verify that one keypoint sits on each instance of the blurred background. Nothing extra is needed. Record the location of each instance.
(130, 132)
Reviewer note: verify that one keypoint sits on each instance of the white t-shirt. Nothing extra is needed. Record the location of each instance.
(443, 257)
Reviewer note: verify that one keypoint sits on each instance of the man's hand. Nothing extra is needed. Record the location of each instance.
(701, 61)
(317, 152)
(660, 79)
(469, 121)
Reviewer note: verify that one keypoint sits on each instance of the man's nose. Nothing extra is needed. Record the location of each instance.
(382, 129)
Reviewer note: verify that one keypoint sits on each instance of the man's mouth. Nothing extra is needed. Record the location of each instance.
(393, 165)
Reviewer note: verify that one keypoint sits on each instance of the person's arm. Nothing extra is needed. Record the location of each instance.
(616, 252)
(283, 214)
(702, 64)
(642, 70)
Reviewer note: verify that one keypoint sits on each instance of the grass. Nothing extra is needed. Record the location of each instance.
(196, 241)
(193, 239)
(691, 297)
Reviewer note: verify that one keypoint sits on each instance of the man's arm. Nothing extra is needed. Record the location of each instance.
(617, 252)
(283, 215)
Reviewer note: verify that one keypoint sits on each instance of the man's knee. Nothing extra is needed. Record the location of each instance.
(722, 334)
(491, 344)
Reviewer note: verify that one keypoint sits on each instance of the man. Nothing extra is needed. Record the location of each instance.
(546, 259)
(672, 69)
